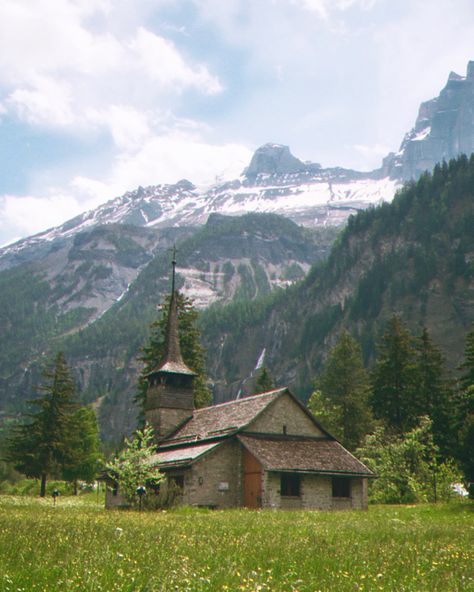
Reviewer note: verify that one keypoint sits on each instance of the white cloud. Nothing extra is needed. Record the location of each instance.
(363, 4)
(161, 63)
(164, 159)
(129, 127)
(317, 6)
(47, 101)
(323, 8)
(27, 215)
(64, 72)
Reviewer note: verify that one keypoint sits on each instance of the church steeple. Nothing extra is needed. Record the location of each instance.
(170, 392)
(172, 359)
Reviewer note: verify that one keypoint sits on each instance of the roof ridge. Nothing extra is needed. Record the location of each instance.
(272, 392)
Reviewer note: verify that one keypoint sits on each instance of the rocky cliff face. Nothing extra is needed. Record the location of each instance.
(275, 159)
(443, 130)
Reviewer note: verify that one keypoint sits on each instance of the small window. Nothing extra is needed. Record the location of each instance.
(284, 429)
(341, 487)
(290, 484)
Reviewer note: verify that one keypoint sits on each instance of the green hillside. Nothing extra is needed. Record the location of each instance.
(414, 257)
(46, 308)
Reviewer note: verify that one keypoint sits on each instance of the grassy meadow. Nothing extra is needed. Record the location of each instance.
(77, 545)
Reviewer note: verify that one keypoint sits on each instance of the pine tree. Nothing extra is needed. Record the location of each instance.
(82, 459)
(264, 382)
(467, 378)
(466, 438)
(345, 387)
(394, 378)
(191, 350)
(39, 448)
(434, 396)
(464, 419)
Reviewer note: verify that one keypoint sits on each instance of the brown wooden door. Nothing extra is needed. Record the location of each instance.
(252, 481)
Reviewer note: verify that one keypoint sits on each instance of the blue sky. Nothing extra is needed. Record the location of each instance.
(100, 96)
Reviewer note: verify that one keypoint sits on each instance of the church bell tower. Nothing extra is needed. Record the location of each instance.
(170, 392)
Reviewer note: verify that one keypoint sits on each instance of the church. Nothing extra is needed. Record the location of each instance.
(262, 451)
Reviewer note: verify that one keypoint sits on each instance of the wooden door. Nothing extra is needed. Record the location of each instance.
(252, 481)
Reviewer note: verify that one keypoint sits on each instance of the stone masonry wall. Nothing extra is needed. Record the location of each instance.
(316, 494)
(216, 480)
(359, 493)
(285, 412)
(164, 421)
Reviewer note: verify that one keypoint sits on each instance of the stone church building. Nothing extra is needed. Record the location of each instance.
(263, 451)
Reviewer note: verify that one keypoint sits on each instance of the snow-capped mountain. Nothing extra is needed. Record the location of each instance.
(277, 182)
(274, 182)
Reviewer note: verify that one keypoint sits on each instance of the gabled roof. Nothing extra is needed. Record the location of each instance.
(223, 419)
(305, 455)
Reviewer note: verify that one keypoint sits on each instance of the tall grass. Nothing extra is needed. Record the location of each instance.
(79, 546)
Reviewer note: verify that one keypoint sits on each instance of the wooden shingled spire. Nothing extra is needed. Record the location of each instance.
(173, 360)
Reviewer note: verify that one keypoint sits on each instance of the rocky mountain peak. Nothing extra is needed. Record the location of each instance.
(443, 130)
(274, 159)
(470, 70)
(185, 185)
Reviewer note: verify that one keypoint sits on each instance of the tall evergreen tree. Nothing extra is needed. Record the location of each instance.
(467, 367)
(191, 350)
(433, 395)
(82, 458)
(465, 432)
(394, 378)
(264, 381)
(39, 448)
(344, 384)
(464, 417)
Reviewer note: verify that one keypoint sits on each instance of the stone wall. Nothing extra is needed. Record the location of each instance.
(164, 421)
(316, 494)
(285, 412)
(216, 479)
(359, 493)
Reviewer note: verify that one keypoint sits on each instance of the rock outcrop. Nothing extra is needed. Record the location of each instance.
(274, 159)
(444, 129)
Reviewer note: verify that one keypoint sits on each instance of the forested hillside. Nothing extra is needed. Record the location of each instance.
(74, 301)
(414, 257)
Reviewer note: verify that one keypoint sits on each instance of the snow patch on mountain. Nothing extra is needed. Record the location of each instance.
(278, 183)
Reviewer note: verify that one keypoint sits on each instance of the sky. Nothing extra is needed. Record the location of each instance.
(98, 97)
